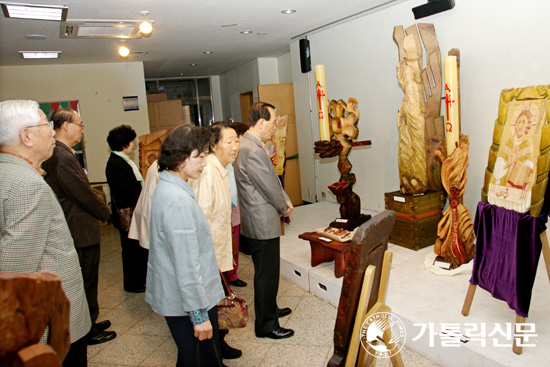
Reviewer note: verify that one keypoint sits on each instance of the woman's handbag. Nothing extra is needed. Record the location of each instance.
(125, 217)
(232, 310)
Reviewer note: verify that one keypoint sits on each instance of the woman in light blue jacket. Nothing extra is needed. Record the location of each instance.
(183, 281)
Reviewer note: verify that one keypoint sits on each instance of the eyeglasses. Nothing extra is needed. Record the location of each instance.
(81, 124)
(50, 124)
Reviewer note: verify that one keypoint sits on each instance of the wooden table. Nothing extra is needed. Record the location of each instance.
(324, 251)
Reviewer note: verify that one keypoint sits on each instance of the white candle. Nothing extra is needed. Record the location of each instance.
(452, 126)
(322, 102)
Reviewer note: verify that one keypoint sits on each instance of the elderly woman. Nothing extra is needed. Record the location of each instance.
(125, 183)
(183, 280)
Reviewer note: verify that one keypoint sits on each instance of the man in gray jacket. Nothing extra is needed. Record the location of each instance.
(262, 202)
(82, 208)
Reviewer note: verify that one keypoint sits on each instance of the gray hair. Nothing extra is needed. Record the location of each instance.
(14, 116)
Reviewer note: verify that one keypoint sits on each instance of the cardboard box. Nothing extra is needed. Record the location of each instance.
(323, 284)
(295, 273)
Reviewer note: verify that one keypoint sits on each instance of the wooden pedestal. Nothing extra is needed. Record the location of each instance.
(323, 251)
(417, 218)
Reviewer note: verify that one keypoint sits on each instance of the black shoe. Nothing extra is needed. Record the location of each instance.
(102, 326)
(135, 290)
(101, 337)
(282, 312)
(238, 283)
(280, 333)
(229, 352)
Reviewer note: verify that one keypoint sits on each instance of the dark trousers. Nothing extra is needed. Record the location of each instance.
(89, 264)
(78, 354)
(134, 262)
(266, 258)
(183, 332)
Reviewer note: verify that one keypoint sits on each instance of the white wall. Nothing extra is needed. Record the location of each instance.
(98, 87)
(215, 90)
(503, 44)
(284, 67)
(243, 79)
(246, 78)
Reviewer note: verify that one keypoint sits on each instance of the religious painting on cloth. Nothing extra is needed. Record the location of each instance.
(519, 159)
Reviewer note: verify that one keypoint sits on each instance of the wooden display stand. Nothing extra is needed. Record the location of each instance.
(417, 217)
(324, 251)
(519, 319)
(358, 356)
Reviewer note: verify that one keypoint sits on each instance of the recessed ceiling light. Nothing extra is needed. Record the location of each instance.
(31, 11)
(40, 54)
(288, 11)
(138, 53)
(246, 32)
(229, 25)
(35, 37)
(208, 52)
(193, 64)
(261, 34)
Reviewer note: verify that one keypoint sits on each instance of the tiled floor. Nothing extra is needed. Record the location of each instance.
(143, 339)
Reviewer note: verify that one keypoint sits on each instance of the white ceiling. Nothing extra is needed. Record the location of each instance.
(183, 30)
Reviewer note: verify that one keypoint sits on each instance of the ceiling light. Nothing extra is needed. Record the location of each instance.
(288, 11)
(40, 54)
(193, 64)
(208, 52)
(123, 51)
(246, 32)
(32, 11)
(145, 27)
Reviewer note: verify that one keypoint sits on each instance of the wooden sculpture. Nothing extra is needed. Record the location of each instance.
(30, 303)
(149, 149)
(420, 124)
(455, 242)
(276, 146)
(343, 126)
(455, 231)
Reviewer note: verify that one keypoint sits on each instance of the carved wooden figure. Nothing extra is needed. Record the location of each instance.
(343, 126)
(420, 124)
(455, 231)
(30, 303)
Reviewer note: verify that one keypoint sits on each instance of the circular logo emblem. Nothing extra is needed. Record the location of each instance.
(383, 335)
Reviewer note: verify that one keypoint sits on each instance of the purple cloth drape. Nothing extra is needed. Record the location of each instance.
(508, 248)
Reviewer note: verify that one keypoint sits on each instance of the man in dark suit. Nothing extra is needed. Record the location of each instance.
(262, 202)
(82, 208)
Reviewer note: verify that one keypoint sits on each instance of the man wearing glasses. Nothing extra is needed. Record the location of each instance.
(83, 209)
(33, 231)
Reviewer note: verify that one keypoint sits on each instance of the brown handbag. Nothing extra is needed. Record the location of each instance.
(125, 217)
(232, 310)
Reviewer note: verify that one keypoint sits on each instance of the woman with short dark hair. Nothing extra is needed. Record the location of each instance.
(125, 183)
(183, 280)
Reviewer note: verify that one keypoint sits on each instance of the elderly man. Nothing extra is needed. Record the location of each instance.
(83, 210)
(213, 195)
(33, 231)
(262, 201)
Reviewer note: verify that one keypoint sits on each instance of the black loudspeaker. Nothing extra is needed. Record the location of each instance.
(305, 56)
(432, 7)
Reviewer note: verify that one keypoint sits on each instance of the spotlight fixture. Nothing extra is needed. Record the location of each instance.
(288, 11)
(145, 27)
(208, 52)
(246, 32)
(33, 11)
(123, 51)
